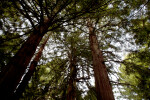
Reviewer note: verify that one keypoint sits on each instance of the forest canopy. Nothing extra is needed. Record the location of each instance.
(74, 49)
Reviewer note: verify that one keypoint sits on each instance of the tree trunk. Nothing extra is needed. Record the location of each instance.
(71, 91)
(32, 68)
(13, 72)
(103, 86)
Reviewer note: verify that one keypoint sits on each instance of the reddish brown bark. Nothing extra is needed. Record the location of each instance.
(103, 86)
(30, 72)
(71, 91)
(13, 72)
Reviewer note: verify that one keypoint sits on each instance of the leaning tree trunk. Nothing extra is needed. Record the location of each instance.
(13, 72)
(28, 75)
(103, 86)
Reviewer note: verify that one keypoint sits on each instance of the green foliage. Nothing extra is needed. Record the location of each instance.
(135, 73)
(91, 94)
(135, 70)
(11, 32)
(55, 74)
(8, 49)
(135, 4)
(48, 81)
(141, 28)
(68, 40)
(68, 19)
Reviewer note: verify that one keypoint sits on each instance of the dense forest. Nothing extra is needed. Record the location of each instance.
(74, 50)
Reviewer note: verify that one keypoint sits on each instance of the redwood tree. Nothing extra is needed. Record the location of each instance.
(71, 91)
(43, 15)
(102, 84)
(21, 87)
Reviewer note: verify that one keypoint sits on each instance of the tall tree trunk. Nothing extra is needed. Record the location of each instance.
(13, 72)
(71, 91)
(103, 86)
(30, 72)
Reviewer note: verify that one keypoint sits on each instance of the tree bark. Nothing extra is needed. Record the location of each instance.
(103, 86)
(32, 68)
(13, 72)
(71, 91)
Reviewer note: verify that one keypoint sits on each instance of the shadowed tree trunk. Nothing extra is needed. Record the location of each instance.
(71, 91)
(103, 86)
(32, 68)
(13, 72)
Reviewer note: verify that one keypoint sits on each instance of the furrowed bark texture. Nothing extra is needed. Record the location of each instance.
(103, 86)
(30, 72)
(13, 72)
